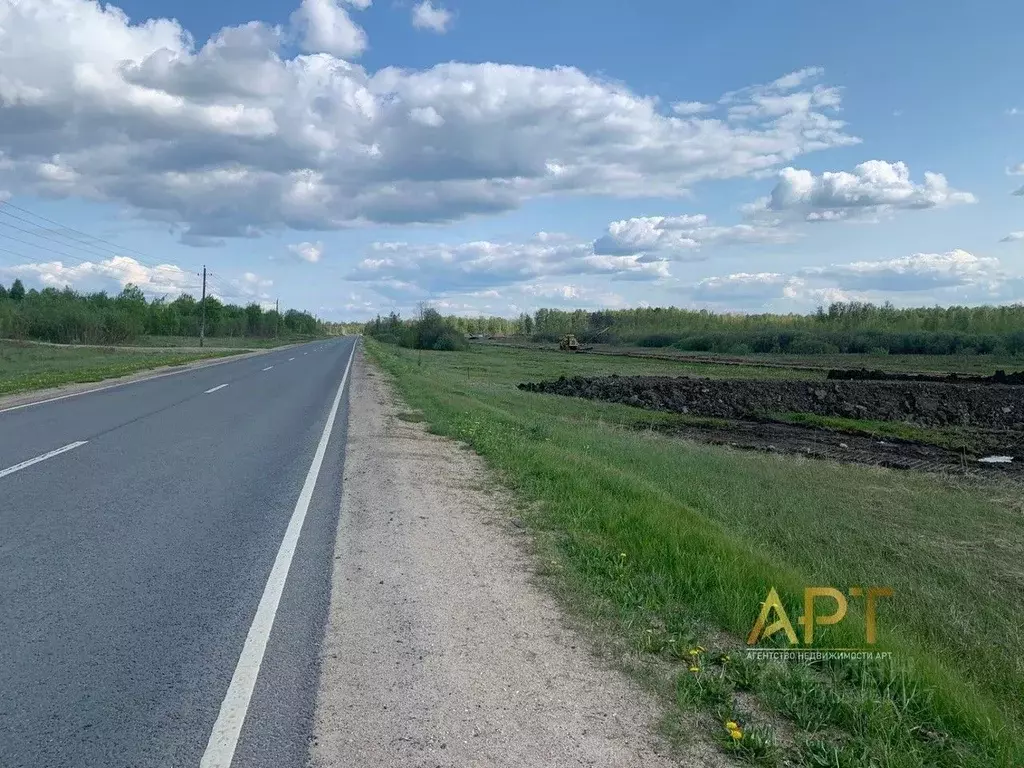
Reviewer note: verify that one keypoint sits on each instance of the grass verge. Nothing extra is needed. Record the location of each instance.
(25, 367)
(674, 545)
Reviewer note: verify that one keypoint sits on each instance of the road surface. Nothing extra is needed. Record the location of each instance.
(165, 565)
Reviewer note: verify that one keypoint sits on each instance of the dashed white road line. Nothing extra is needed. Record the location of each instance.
(290, 359)
(214, 389)
(268, 368)
(221, 747)
(44, 457)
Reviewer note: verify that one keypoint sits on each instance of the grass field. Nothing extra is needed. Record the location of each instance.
(976, 364)
(674, 545)
(27, 366)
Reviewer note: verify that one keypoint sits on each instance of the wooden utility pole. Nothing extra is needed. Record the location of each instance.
(202, 309)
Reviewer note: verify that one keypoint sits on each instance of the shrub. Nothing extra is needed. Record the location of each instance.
(657, 340)
(450, 340)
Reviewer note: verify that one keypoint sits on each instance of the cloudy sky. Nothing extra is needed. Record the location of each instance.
(356, 156)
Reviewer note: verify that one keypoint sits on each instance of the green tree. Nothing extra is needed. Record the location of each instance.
(17, 291)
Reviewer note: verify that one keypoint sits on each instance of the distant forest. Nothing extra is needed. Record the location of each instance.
(68, 317)
(851, 327)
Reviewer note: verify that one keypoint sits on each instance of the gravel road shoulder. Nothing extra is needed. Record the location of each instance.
(440, 649)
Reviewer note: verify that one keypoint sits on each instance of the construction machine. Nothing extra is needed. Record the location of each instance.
(569, 343)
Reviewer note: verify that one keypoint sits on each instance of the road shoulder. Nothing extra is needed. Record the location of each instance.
(440, 649)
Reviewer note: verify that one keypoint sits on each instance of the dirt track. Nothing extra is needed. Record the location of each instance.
(440, 650)
(990, 406)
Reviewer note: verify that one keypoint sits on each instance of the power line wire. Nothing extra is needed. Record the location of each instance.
(9, 204)
(219, 284)
(75, 242)
(38, 230)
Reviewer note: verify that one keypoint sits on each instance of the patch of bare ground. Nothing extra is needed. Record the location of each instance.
(441, 648)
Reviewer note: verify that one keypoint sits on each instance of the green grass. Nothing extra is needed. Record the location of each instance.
(949, 437)
(973, 364)
(219, 342)
(26, 366)
(671, 544)
(533, 364)
(976, 364)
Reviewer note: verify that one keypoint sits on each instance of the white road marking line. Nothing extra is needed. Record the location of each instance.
(126, 383)
(224, 738)
(290, 359)
(214, 389)
(44, 457)
(268, 368)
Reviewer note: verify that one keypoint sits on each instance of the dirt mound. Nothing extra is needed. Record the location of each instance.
(931, 404)
(863, 374)
(834, 445)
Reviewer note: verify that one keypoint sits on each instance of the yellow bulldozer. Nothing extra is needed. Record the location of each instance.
(569, 343)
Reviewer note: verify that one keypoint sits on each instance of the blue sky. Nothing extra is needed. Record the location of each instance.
(350, 157)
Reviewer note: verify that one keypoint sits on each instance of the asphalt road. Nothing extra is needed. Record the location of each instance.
(135, 564)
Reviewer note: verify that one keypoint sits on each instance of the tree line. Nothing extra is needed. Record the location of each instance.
(68, 317)
(428, 331)
(842, 327)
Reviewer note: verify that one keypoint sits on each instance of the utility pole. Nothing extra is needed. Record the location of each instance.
(202, 305)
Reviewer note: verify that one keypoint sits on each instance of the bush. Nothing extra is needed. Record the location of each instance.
(450, 340)
(657, 340)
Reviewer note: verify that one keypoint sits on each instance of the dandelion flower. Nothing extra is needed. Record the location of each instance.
(695, 668)
(732, 726)
(736, 734)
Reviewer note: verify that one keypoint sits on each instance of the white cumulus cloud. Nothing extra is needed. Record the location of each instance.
(115, 273)
(308, 252)
(918, 272)
(872, 188)
(404, 269)
(743, 287)
(680, 237)
(919, 279)
(237, 138)
(426, 16)
(325, 26)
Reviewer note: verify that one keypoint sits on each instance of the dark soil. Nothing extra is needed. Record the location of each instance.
(838, 446)
(929, 404)
(990, 416)
(863, 374)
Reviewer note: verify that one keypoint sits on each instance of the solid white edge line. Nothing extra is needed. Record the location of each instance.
(214, 389)
(44, 457)
(220, 749)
